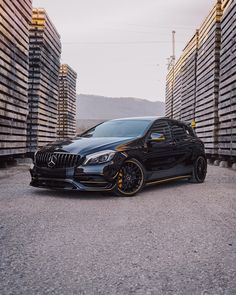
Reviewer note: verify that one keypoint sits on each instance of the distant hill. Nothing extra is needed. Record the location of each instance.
(92, 109)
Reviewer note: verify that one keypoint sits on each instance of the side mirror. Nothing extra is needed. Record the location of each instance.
(156, 137)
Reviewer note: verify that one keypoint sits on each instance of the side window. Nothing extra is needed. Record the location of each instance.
(189, 131)
(179, 132)
(162, 128)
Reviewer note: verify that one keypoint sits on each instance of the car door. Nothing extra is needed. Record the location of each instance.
(159, 155)
(182, 149)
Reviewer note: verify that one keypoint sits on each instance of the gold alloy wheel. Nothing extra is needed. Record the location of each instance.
(130, 178)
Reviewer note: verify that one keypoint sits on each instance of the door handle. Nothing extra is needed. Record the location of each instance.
(173, 144)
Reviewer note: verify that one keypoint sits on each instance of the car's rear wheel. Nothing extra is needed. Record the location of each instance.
(199, 170)
(130, 178)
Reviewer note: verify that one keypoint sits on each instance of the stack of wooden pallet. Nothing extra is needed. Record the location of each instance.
(181, 84)
(188, 72)
(227, 98)
(44, 64)
(67, 102)
(169, 92)
(177, 90)
(14, 43)
(207, 85)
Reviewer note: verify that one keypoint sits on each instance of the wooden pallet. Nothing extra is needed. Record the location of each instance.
(67, 102)
(14, 44)
(44, 63)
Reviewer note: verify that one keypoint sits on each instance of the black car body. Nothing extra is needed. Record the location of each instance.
(122, 155)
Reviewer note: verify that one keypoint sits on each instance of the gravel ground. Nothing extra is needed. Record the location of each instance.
(176, 238)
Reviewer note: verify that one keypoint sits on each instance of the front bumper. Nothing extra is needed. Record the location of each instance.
(83, 178)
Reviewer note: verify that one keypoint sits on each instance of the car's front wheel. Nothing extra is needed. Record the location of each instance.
(199, 170)
(130, 178)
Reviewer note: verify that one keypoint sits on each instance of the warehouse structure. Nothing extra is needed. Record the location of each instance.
(200, 86)
(14, 50)
(44, 63)
(67, 102)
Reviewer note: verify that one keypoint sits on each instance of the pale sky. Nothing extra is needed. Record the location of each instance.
(120, 47)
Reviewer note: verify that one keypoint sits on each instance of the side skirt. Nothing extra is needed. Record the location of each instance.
(168, 179)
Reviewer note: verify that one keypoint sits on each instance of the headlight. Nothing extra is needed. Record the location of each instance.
(99, 157)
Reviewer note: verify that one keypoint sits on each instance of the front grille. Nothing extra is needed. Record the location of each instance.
(56, 159)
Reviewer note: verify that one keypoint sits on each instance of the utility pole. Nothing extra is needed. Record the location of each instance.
(173, 47)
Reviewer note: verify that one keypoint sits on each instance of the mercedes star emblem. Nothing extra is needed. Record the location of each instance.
(52, 161)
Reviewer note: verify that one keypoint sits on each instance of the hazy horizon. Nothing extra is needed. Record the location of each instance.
(116, 107)
(115, 97)
(120, 48)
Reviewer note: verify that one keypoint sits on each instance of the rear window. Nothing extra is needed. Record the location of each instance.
(179, 132)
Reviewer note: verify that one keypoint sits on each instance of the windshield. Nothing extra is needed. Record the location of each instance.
(119, 128)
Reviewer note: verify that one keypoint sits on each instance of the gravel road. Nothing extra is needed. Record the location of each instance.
(176, 238)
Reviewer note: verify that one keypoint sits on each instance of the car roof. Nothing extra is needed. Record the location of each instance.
(148, 118)
(153, 118)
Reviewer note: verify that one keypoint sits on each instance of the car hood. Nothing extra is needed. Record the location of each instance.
(84, 146)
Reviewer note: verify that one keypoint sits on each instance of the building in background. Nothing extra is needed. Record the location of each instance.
(67, 102)
(15, 18)
(44, 63)
(201, 85)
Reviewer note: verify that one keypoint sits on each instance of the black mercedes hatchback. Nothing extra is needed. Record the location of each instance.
(122, 156)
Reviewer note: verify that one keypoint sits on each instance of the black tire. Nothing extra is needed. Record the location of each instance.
(130, 179)
(199, 170)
